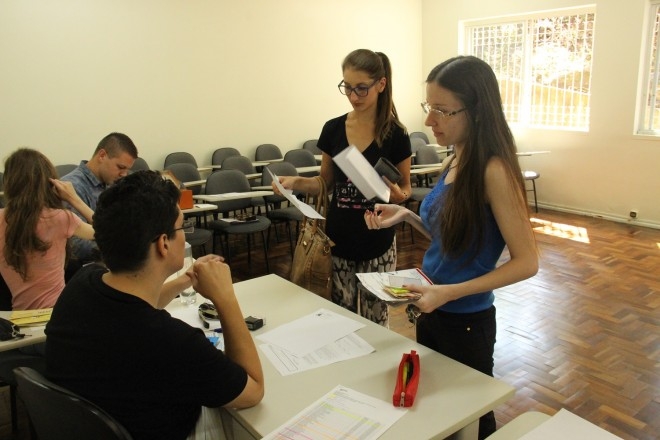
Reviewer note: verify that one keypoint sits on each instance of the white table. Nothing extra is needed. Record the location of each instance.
(192, 183)
(232, 196)
(200, 207)
(450, 399)
(425, 170)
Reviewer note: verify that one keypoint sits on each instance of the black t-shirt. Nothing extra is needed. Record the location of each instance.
(150, 371)
(345, 222)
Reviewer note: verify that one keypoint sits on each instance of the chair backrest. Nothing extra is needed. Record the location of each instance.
(311, 146)
(427, 154)
(57, 413)
(279, 169)
(63, 170)
(186, 172)
(267, 152)
(225, 181)
(300, 158)
(416, 143)
(421, 135)
(242, 164)
(180, 157)
(221, 154)
(140, 164)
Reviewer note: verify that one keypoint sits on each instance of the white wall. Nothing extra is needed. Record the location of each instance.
(197, 75)
(191, 75)
(607, 171)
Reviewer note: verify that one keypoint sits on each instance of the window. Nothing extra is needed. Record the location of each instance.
(542, 62)
(649, 111)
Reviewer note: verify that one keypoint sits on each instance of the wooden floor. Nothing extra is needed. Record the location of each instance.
(583, 334)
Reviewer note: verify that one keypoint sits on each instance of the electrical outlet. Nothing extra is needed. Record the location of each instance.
(633, 214)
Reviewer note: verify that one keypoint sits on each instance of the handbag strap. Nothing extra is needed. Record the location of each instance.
(321, 205)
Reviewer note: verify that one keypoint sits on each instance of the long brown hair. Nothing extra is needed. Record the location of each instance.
(377, 66)
(473, 82)
(28, 191)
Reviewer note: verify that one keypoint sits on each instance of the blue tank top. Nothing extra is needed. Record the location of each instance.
(443, 269)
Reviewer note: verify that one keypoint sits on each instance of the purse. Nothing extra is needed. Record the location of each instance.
(9, 330)
(311, 267)
(407, 380)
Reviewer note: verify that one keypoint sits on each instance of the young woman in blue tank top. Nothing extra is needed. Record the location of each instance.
(478, 206)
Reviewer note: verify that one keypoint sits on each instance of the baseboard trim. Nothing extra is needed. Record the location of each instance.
(604, 216)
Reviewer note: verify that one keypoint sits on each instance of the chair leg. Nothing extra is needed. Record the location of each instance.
(12, 406)
(263, 239)
(536, 205)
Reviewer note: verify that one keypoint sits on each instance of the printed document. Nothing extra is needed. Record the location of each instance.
(348, 347)
(362, 174)
(310, 333)
(307, 210)
(342, 413)
(379, 283)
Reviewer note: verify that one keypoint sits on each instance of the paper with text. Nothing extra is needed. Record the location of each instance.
(307, 210)
(309, 333)
(375, 282)
(342, 413)
(348, 347)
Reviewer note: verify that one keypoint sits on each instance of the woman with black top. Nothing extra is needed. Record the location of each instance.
(373, 127)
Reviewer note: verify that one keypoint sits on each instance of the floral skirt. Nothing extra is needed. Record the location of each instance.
(345, 285)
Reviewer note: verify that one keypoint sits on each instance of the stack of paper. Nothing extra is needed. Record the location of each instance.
(315, 340)
(24, 318)
(387, 286)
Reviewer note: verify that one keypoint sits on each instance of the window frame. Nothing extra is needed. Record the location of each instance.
(465, 46)
(651, 34)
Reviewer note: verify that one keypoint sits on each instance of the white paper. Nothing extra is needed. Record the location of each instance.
(342, 413)
(309, 333)
(348, 347)
(362, 174)
(307, 210)
(374, 282)
(567, 426)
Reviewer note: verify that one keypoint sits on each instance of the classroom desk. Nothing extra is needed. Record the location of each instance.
(192, 183)
(425, 170)
(33, 335)
(200, 207)
(232, 196)
(450, 399)
(531, 153)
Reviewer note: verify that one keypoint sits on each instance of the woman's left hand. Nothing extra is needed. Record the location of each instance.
(64, 190)
(397, 194)
(431, 297)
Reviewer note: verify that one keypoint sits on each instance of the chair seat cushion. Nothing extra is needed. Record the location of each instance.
(199, 237)
(286, 213)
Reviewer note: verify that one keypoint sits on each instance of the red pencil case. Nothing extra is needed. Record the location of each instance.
(407, 380)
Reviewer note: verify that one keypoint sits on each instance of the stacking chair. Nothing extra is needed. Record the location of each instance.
(140, 164)
(426, 155)
(274, 209)
(415, 144)
(180, 157)
(301, 158)
(229, 181)
(11, 359)
(531, 176)
(244, 165)
(221, 154)
(57, 413)
(311, 146)
(63, 170)
(267, 152)
(186, 172)
(421, 135)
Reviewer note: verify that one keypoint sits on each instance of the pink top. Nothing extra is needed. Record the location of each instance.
(45, 270)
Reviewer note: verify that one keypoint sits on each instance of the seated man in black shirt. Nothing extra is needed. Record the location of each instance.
(110, 341)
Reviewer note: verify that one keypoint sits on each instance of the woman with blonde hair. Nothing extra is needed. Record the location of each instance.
(35, 227)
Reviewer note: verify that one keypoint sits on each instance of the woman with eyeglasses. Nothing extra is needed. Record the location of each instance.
(373, 127)
(35, 227)
(478, 206)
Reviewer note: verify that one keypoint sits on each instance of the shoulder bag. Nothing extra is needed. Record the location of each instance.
(311, 267)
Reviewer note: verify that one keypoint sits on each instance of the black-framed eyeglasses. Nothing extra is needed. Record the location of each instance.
(360, 91)
(188, 227)
(428, 109)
